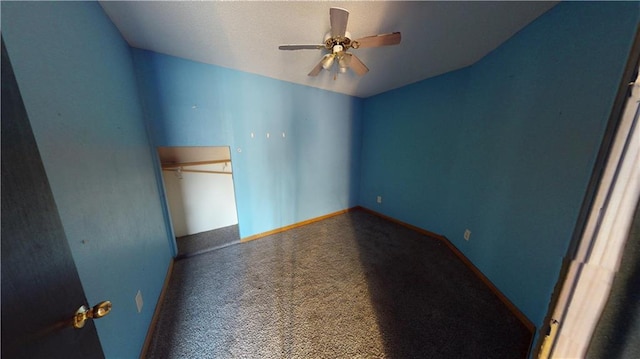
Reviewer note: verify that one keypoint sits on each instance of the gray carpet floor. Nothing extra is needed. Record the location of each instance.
(207, 241)
(351, 286)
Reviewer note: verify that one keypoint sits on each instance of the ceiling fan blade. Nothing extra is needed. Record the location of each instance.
(339, 18)
(316, 70)
(379, 40)
(301, 47)
(356, 65)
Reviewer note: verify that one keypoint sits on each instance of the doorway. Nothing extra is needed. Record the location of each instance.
(200, 196)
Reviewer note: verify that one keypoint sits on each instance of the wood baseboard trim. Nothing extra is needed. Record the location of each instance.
(523, 318)
(156, 312)
(404, 224)
(295, 225)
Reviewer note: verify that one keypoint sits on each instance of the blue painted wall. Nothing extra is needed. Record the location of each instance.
(78, 83)
(312, 171)
(504, 147)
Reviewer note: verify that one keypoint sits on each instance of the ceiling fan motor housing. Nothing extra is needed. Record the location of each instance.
(343, 41)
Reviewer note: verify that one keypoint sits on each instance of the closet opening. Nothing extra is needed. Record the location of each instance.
(200, 196)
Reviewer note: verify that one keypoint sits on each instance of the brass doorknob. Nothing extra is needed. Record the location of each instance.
(83, 313)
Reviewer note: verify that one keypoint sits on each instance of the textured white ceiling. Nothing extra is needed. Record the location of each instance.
(437, 37)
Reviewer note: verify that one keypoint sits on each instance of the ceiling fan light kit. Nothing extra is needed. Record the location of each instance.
(327, 61)
(338, 41)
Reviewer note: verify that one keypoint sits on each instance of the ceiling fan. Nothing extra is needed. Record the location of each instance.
(338, 41)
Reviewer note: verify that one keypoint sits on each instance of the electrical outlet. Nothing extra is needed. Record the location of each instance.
(467, 234)
(139, 302)
(379, 199)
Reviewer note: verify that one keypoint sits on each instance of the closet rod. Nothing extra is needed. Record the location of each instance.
(183, 164)
(200, 171)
